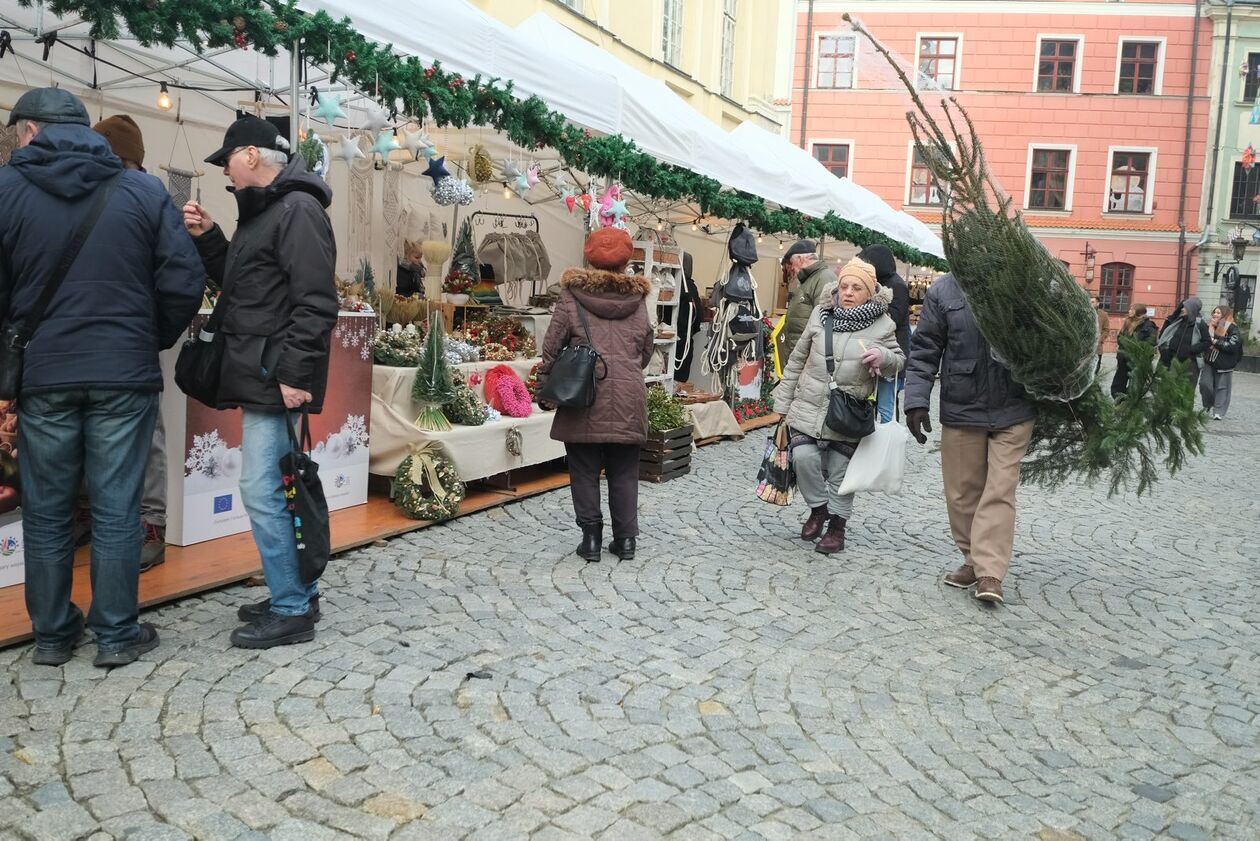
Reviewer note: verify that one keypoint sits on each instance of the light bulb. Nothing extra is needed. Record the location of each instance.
(759, 238)
(660, 226)
(164, 99)
(694, 226)
(780, 245)
(507, 193)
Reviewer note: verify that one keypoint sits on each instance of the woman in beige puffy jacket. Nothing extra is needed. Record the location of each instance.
(864, 345)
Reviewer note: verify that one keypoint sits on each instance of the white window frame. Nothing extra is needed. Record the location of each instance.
(730, 27)
(575, 5)
(1076, 67)
(834, 141)
(1068, 195)
(857, 44)
(1149, 203)
(1159, 62)
(675, 30)
(919, 37)
(909, 170)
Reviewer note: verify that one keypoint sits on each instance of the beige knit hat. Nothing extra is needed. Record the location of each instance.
(861, 270)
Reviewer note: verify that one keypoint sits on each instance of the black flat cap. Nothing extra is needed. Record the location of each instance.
(50, 105)
(801, 246)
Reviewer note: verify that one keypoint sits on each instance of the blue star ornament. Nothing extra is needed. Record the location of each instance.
(329, 108)
(522, 184)
(618, 210)
(437, 169)
(384, 145)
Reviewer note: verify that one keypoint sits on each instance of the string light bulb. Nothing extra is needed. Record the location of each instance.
(507, 192)
(780, 245)
(695, 227)
(164, 99)
(759, 238)
(660, 226)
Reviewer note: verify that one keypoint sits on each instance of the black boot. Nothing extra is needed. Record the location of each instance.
(257, 610)
(622, 547)
(592, 542)
(272, 630)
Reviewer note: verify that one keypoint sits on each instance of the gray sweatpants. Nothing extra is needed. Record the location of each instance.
(1216, 387)
(819, 472)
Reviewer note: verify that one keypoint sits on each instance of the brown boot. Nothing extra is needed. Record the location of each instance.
(963, 577)
(989, 589)
(814, 525)
(833, 540)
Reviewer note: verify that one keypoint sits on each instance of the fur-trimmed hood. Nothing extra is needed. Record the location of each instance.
(612, 295)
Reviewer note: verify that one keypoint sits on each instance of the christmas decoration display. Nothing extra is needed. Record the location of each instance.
(506, 393)
(348, 148)
(1042, 325)
(427, 485)
(531, 382)
(432, 387)
(459, 352)
(316, 154)
(376, 122)
(384, 145)
(418, 143)
(450, 100)
(463, 273)
(746, 410)
(329, 108)
(496, 352)
(466, 408)
(405, 309)
(482, 168)
(398, 347)
(451, 190)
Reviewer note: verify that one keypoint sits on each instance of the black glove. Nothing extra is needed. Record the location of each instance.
(918, 422)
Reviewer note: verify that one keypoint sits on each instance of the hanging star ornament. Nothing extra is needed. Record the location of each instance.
(618, 213)
(385, 143)
(531, 175)
(329, 108)
(415, 142)
(509, 169)
(376, 121)
(348, 148)
(522, 184)
(437, 169)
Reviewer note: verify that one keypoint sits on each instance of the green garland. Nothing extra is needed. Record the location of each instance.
(451, 100)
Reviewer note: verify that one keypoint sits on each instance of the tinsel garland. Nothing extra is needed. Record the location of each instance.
(451, 190)
(450, 100)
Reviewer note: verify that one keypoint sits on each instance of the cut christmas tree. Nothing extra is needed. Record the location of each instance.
(1041, 324)
(463, 274)
(432, 387)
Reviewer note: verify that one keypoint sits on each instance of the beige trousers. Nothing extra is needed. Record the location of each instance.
(981, 470)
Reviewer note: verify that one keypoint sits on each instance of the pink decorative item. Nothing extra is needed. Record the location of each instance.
(513, 396)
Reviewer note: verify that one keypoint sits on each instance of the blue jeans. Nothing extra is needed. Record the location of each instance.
(265, 439)
(886, 398)
(65, 438)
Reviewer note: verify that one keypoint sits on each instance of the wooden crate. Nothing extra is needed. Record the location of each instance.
(666, 455)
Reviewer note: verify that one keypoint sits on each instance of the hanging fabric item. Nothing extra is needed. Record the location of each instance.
(737, 321)
(360, 216)
(391, 205)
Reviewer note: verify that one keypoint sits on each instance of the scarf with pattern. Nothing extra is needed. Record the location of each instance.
(858, 318)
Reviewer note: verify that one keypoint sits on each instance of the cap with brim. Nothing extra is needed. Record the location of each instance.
(247, 131)
(801, 246)
(50, 105)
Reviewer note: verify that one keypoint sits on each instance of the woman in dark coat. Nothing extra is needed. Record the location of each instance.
(1137, 325)
(608, 435)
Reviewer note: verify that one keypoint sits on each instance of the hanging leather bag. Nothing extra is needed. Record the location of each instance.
(571, 381)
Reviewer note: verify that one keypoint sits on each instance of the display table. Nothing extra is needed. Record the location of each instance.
(477, 451)
(713, 420)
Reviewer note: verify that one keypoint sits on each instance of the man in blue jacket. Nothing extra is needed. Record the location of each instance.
(91, 379)
(987, 424)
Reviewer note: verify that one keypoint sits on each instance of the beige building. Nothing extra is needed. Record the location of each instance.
(729, 59)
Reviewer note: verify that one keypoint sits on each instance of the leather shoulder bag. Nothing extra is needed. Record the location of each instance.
(847, 416)
(571, 381)
(14, 337)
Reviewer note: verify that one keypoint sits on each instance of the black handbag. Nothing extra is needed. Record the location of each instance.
(304, 498)
(571, 381)
(15, 337)
(199, 366)
(847, 416)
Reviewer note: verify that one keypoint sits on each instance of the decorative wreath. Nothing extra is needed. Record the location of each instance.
(506, 393)
(427, 485)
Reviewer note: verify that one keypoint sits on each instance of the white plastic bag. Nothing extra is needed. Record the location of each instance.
(880, 461)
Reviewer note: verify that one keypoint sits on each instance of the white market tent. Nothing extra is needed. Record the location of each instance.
(541, 57)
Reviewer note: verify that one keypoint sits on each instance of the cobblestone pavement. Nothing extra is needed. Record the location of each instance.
(477, 681)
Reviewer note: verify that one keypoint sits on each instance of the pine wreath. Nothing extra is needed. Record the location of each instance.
(466, 408)
(1041, 325)
(427, 485)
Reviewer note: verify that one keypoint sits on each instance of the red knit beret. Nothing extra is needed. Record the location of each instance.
(609, 248)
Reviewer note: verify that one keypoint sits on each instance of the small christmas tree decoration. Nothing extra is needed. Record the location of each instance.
(432, 387)
(463, 273)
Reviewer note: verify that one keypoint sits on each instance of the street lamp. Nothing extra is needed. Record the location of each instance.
(1238, 243)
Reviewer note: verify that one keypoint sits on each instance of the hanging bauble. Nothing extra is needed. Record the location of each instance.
(280, 27)
(351, 56)
(451, 190)
(482, 168)
(567, 196)
(238, 38)
(586, 199)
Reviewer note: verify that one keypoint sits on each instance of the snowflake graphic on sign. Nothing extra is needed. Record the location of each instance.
(354, 433)
(203, 457)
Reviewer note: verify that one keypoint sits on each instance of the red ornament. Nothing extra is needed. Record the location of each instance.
(429, 73)
(239, 38)
(351, 56)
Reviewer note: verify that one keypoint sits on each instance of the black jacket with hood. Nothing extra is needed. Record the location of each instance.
(134, 287)
(278, 274)
(881, 257)
(1185, 333)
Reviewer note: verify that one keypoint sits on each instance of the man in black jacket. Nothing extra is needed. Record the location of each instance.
(91, 379)
(281, 306)
(881, 257)
(986, 427)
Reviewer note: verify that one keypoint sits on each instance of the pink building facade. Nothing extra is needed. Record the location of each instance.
(1081, 106)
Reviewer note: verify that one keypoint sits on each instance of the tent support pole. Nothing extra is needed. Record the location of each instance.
(295, 72)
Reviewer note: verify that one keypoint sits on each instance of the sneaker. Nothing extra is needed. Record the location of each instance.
(989, 589)
(58, 656)
(1217, 417)
(258, 610)
(153, 553)
(274, 629)
(147, 641)
(962, 578)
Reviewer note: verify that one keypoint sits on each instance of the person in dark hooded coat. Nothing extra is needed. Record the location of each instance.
(881, 257)
(690, 317)
(1185, 337)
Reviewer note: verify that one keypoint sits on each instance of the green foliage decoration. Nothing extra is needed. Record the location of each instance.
(664, 412)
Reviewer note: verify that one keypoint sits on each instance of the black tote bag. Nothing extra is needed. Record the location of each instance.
(304, 495)
(571, 381)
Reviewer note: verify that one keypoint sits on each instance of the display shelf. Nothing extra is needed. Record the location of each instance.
(657, 378)
(662, 262)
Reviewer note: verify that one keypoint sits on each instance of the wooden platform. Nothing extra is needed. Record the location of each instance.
(760, 423)
(206, 566)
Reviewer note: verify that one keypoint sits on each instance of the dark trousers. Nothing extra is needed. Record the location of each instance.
(621, 463)
(64, 438)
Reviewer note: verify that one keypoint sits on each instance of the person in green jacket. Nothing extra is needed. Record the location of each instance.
(809, 285)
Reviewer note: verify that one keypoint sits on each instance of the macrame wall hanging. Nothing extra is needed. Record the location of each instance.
(391, 206)
(8, 144)
(179, 182)
(360, 214)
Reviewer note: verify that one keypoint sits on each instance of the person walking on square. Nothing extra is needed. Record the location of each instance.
(986, 426)
(810, 284)
(864, 348)
(1217, 382)
(90, 375)
(1138, 325)
(1104, 332)
(1184, 338)
(608, 306)
(281, 301)
(881, 257)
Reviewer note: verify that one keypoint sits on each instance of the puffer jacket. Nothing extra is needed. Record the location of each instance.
(132, 291)
(817, 282)
(282, 304)
(1226, 351)
(622, 335)
(805, 390)
(976, 389)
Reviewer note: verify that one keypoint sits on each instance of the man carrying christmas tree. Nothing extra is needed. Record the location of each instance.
(281, 300)
(986, 426)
